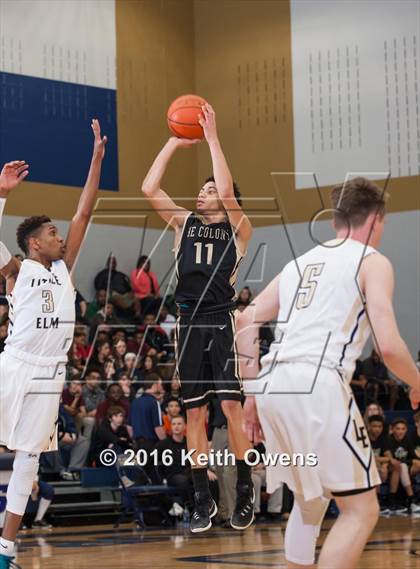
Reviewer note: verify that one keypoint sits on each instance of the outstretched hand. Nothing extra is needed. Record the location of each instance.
(100, 142)
(207, 121)
(12, 175)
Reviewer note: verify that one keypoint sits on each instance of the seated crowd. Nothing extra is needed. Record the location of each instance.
(122, 392)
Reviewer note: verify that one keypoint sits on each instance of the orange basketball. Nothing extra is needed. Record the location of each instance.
(183, 116)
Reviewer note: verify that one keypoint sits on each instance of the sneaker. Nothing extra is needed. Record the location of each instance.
(243, 515)
(415, 508)
(41, 524)
(397, 509)
(65, 475)
(7, 562)
(204, 510)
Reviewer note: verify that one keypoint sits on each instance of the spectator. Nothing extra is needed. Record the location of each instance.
(145, 285)
(373, 409)
(93, 396)
(39, 501)
(415, 438)
(126, 384)
(105, 318)
(73, 449)
(4, 327)
(97, 304)
(74, 403)
(167, 321)
(81, 307)
(118, 352)
(155, 336)
(81, 348)
(358, 384)
(178, 471)
(145, 415)
(173, 409)
(109, 371)
(377, 377)
(403, 465)
(118, 285)
(112, 433)
(150, 365)
(137, 344)
(114, 396)
(130, 368)
(172, 389)
(378, 441)
(101, 353)
(244, 297)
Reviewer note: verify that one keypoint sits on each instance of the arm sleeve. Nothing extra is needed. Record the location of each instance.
(5, 255)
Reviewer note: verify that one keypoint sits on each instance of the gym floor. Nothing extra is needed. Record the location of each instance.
(392, 546)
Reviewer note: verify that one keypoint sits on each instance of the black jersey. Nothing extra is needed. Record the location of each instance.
(207, 261)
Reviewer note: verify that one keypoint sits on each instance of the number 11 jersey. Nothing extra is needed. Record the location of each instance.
(207, 262)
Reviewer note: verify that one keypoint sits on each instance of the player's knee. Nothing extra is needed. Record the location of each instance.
(229, 408)
(196, 415)
(363, 507)
(25, 470)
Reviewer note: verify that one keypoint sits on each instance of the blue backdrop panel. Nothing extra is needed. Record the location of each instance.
(47, 123)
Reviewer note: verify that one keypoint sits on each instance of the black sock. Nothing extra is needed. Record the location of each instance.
(244, 472)
(201, 481)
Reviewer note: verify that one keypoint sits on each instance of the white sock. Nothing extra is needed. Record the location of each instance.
(44, 504)
(7, 547)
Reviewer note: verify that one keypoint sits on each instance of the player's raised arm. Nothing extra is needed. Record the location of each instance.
(159, 200)
(377, 283)
(11, 176)
(264, 308)
(81, 218)
(223, 178)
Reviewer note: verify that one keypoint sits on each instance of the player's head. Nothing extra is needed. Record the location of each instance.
(399, 428)
(376, 425)
(38, 236)
(173, 408)
(208, 200)
(178, 425)
(359, 204)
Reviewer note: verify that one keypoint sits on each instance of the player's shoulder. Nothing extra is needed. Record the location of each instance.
(375, 260)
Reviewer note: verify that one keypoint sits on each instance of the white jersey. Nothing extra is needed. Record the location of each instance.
(322, 318)
(42, 310)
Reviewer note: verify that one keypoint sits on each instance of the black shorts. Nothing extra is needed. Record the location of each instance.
(207, 360)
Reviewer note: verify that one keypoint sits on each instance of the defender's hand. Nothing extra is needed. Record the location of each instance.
(207, 121)
(415, 398)
(252, 424)
(99, 142)
(11, 176)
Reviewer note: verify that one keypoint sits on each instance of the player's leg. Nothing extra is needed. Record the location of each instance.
(302, 531)
(348, 536)
(25, 470)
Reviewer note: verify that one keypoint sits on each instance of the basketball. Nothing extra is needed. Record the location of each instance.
(183, 116)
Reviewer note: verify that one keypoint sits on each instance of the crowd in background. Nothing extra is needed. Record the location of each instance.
(122, 392)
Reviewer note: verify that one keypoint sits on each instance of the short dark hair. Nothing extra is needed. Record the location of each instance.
(235, 189)
(355, 200)
(399, 420)
(150, 380)
(28, 228)
(93, 369)
(115, 410)
(172, 399)
(376, 419)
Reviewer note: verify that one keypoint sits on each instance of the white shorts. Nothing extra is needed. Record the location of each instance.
(305, 412)
(29, 399)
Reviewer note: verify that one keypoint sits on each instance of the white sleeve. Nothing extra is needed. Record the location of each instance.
(5, 255)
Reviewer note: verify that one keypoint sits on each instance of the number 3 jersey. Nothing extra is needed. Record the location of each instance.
(42, 310)
(207, 261)
(322, 318)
